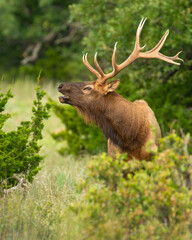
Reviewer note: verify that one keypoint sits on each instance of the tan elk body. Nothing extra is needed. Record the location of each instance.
(128, 126)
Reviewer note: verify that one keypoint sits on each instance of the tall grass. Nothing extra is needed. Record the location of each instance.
(43, 212)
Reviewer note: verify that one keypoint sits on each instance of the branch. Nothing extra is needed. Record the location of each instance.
(22, 184)
(165, 80)
(170, 74)
(35, 49)
(49, 38)
(35, 54)
(67, 38)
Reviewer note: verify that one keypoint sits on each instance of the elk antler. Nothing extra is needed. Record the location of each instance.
(153, 53)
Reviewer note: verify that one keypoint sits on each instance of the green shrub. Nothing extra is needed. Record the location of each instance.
(174, 108)
(78, 136)
(19, 149)
(138, 199)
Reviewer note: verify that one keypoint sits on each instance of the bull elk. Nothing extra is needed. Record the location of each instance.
(127, 125)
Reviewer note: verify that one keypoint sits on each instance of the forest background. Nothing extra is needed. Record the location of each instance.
(51, 36)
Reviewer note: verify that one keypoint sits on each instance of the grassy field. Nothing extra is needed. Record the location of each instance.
(43, 212)
(152, 203)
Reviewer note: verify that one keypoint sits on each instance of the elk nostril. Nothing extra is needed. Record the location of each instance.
(60, 86)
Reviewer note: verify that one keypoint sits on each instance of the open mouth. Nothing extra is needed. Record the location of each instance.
(64, 99)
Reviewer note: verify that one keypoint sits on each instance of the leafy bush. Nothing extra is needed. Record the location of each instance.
(19, 149)
(173, 110)
(78, 136)
(139, 199)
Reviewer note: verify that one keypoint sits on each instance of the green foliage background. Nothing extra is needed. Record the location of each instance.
(167, 88)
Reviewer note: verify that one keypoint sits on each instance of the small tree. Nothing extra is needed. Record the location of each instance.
(19, 149)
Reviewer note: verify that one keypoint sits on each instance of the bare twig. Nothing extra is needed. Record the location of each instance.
(22, 184)
(169, 75)
(34, 56)
(35, 49)
(49, 37)
(186, 139)
(67, 38)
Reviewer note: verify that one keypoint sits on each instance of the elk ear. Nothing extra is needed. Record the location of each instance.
(112, 86)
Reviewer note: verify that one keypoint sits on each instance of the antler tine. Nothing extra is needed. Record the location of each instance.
(114, 64)
(153, 53)
(170, 59)
(97, 66)
(176, 57)
(136, 52)
(105, 77)
(89, 67)
(139, 30)
(159, 45)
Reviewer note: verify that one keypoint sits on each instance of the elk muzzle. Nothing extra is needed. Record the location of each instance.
(62, 99)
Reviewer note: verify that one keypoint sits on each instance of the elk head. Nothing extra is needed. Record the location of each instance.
(82, 94)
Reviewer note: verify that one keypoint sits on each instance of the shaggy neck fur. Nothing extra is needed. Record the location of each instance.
(120, 120)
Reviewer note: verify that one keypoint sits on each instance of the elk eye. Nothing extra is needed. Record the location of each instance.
(87, 88)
